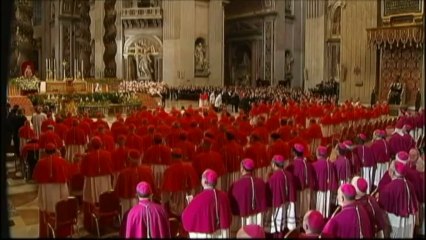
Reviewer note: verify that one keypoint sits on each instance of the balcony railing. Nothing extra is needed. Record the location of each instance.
(142, 13)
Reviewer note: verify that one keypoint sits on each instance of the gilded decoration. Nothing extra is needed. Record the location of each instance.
(268, 50)
(409, 36)
(405, 63)
(396, 12)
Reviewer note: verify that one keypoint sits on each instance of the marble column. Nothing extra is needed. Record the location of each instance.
(119, 41)
(216, 43)
(84, 38)
(56, 38)
(109, 38)
(188, 27)
(97, 31)
(268, 40)
(171, 35)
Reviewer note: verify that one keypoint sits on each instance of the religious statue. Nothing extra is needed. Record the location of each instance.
(144, 66)
(287, 7)
(396, 92)
(288, 75)
(200, 57)
(92, 58)
(246, 60)
(418, 100)
(373, 98)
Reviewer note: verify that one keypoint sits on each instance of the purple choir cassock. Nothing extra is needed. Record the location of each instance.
(147, 219)
(281, 196)
(399, 200)
(352, 221)
(410, 175)
(304, 181)
(325, 183)
(400, 141)
(208, 215)
(381, 154)
(248, 199)
(343, 169)
(409, 142)
(365, 156)
(375, 213)
(422, 204)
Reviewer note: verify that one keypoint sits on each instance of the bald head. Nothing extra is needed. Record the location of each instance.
(313, 222)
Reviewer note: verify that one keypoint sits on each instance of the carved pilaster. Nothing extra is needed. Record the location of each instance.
(66, 50)
(269, 49)
(109, 38)
(24, 31)
(83, 36)
(14, 68)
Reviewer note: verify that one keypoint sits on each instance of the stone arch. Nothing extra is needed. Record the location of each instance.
(335, 19)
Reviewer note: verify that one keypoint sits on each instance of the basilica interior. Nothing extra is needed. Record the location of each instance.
(368, 49)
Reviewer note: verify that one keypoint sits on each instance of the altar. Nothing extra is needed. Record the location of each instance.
(52, 87)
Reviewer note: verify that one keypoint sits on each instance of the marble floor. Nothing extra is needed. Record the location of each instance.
(23, 201)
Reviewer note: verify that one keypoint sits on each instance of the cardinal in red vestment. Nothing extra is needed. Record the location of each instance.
(51, 173)
(96, 168)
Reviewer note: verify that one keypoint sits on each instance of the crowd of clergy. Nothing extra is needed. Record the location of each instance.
(321, 169)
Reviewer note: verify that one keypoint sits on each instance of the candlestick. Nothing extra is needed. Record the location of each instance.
(50, 68)
(82, 69)
(54, 69)
(75, 68)
(47, 68)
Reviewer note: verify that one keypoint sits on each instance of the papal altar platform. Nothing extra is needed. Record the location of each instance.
(84, 96)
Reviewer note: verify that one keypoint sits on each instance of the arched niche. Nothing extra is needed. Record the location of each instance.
(143, 58)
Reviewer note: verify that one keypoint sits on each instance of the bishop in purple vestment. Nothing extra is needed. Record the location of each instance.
(208, 215)
(365, 157)
(342, 164)
(399, 200)
(381, 154)
(376, 214)
(400, 140)
(147, 219)
(352, 221)
(248, 195)
(281, 195)
(325, 181)
(313, 223)
(304, 181)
